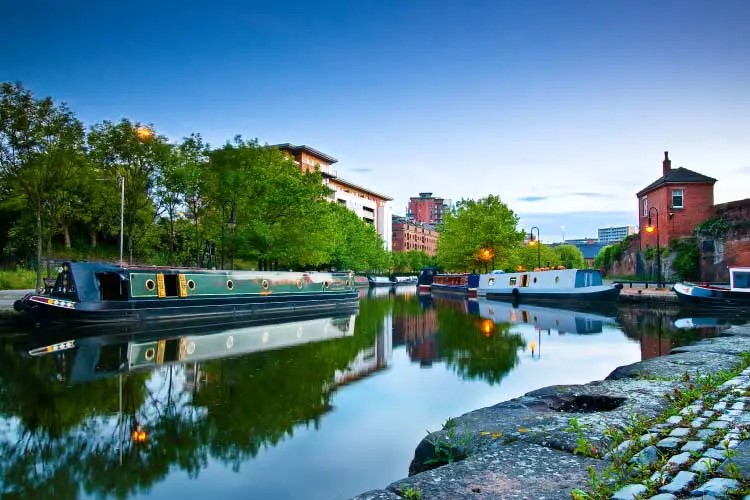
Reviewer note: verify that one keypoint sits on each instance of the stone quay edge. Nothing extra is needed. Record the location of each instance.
(520, 449)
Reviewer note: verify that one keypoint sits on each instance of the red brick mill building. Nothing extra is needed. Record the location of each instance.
(681, 199)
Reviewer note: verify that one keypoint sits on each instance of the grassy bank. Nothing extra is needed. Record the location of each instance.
(18, 279)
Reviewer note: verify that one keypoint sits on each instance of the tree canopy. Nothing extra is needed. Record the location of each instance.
(478, 235)
(242, 205)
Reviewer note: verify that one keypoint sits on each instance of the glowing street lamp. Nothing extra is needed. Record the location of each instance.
(650, 229)
(144, 133)
(538, 244)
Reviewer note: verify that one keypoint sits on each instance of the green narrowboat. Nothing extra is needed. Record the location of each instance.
(91, 293)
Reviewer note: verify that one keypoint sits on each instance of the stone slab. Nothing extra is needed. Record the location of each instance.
(741, 460)
(682, 481)
(629, 492)
(675, 365)
(717, 487)
(663, 496)
(722, 345)
(693, 446)
(514, 471)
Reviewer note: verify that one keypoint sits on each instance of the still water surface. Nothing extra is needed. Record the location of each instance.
(322, 408)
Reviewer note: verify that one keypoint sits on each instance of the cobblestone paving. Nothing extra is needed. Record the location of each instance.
(700, 446)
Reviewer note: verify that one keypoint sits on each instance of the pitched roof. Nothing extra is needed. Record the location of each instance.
(680, 175)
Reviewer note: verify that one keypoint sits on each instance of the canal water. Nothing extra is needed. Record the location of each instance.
(318, 408)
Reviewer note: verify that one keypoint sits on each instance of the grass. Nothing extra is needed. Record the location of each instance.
(18, 279)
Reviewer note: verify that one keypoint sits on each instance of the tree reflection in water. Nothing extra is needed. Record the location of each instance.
(62, 440)
(59, 440)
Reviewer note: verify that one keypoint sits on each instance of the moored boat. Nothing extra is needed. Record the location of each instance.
(379, 281)
(87, 292)
(735, 297)
(444, 283)
(424, 280)
(361, 281)
(554, 286)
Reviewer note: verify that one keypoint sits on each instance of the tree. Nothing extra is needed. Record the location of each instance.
(479, 233)
(354, 244)
(41, 149)
(192, 158)
(119, 150)
(570, 256)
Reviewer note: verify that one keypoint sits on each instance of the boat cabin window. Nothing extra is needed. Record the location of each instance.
(171, 285)
(588, 278)
(741, 279)
(112, 286)
(525, 280)
(512, 281)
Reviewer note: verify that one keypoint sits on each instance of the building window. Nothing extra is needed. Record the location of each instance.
(677, 198)
(644, 204)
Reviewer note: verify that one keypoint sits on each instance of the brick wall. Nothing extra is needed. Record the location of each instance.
(698, 201)
(408, 236)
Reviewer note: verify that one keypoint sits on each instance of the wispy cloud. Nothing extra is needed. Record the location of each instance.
(586, 194)
(535, 198)
(361, 169)
(743, 170)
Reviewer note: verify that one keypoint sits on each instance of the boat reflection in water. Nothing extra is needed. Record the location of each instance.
(100, 354)
(544, 318)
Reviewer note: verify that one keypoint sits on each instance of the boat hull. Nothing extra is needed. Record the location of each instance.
(453, 290)
(704, 297)
(236, 307)
(584, 296)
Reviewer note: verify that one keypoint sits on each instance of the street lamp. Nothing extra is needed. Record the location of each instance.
(650, 228)
(538, 244)
(232, 223)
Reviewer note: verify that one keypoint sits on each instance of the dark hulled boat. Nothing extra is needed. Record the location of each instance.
(733, 298)
(86, 293)
(461, 284)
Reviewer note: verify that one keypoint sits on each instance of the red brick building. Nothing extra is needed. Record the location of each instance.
(427, 208)
(411, 235)
(682, 198)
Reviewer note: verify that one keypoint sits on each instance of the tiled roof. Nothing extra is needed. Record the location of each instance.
(680, 175)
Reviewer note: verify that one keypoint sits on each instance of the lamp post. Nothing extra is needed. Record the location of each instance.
(538, 246)
(232, 224)
(650, 228)
(121, 180)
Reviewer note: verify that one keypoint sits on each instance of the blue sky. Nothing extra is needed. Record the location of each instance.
(563, 108)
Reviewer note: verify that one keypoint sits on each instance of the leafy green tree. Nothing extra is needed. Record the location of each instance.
(121, 151)
(570, 256)
(354, 245)
(192, 159)
(41, 148)
(479, 234)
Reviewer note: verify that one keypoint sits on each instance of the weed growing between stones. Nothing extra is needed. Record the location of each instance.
(411, 493)
(455, 446)
(622, 470)
(583, 445)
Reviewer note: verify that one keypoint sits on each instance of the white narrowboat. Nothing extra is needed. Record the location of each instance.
(554, 286)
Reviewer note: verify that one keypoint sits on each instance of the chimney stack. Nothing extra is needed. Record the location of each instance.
(666, 164)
